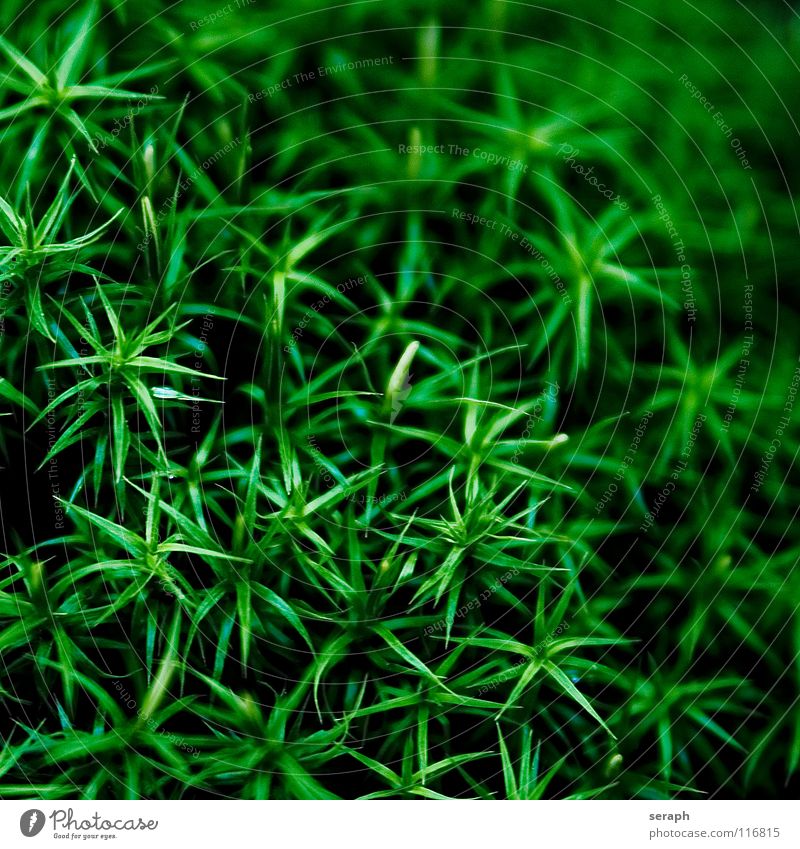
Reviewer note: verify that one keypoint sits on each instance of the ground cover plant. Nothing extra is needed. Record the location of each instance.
(398, 400)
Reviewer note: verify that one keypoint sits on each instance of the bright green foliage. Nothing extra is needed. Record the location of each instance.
(398, 400)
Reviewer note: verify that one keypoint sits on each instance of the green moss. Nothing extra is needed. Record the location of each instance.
(398, 400)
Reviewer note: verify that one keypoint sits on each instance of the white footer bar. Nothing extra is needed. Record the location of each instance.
(401, 825)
